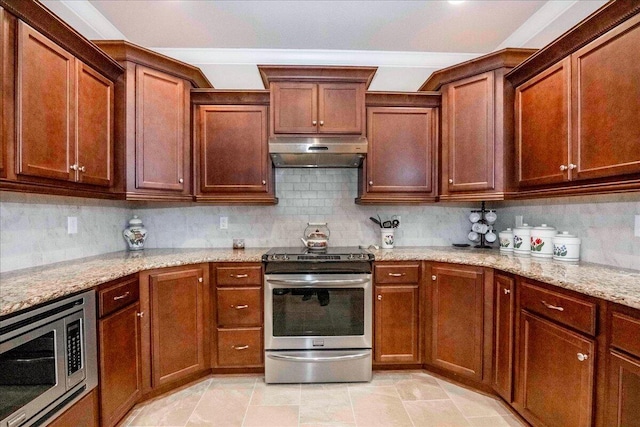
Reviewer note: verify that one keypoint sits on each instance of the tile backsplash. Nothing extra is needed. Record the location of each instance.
(33, 227)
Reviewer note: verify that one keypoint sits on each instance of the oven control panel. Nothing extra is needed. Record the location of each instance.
(74, 347)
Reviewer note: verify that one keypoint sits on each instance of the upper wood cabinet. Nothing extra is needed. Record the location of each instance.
(232, 158)
(153, 123)
(577, 104)
(402, 157)
(317, 100)
(57, 130)
(477, 126)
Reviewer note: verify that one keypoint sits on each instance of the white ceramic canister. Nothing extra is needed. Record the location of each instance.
(387, 237)
(522, 240)
(566, 247)
(135, 234)
(506, 240)
(542, 241)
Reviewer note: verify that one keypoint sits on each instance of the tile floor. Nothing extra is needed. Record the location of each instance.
(392, 398)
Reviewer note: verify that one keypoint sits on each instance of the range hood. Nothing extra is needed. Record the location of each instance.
(314, 152)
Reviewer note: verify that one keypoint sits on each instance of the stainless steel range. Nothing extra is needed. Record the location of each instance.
(318, 315)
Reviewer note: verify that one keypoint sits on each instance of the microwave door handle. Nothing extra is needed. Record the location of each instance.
(318, 359)
(337, 283)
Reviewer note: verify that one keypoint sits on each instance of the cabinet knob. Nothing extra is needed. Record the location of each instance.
(73, 167)
(572, 166)
(507, 291)
(450, 180)
(82, 169)
(321, 122)
(582, 357)
(140, 314)
(264, 182)
(434, 277)
(370, 182)
(314, 122)
(181, 180)
(563, 168)
(379, 297)
(200, 279)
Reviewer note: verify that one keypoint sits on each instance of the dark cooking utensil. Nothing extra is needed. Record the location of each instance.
(386, 224)
(375, 220)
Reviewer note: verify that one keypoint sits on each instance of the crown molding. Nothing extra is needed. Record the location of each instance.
(87, 12)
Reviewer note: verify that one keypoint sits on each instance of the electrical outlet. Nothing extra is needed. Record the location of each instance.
(72, 225)
(224, 222)
(637, 227)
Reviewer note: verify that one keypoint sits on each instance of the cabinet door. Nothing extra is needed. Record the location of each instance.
(550, 372)
(542, 127)
(457, 308)
(120, 367)
(45, 110)
(623, 392)
(233, 149)
(84, 413)
(503, 338)
(162, 131)
(468, 133)
(340, 108)
(396, 324)
(177, 324)
(94, 120)
(295, 107)
(606, 104)
(401, 149)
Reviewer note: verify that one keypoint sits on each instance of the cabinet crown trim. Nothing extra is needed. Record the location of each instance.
(313, 73)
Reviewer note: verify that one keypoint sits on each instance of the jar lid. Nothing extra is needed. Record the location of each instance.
(565, 237)
(544, 227)
(507, 231)
(135, 220)
(524, 226)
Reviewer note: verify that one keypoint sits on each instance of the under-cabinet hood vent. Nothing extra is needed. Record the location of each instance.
(301, 152)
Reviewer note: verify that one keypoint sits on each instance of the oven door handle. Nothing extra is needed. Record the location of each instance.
(318, 359)
(336, 283)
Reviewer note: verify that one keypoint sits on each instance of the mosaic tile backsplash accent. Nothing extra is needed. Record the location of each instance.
(33, 227)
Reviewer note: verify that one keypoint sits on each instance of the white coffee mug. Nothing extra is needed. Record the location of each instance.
(491, 217)
(480, 228)
(490, 236)
(473, 236)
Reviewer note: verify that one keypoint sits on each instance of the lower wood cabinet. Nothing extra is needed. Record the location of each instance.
(460, 323)
(83, 413)
(556, 374)
(504, 318)
(176, 332)
(397, 313)
(623, 406)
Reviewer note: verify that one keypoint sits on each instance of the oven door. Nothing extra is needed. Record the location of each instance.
(318, 311)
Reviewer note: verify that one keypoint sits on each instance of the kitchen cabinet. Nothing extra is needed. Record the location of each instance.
(504, 329)
(401, 162)
(233, 164)
(6, 83)
(153, 125)
(623, 383)
(460, 320)
(238, 302)
(397, 338)
(83, 413)
(316, 100)
(119, 349)
(175, 334)
(477, 126)
(64, 114)
(575, 116)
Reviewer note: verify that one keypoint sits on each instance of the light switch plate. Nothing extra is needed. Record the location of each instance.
(72, 225)
(637, 227)
(224, 222)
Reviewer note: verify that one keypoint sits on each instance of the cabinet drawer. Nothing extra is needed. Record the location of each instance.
(625, 333)
(239, 307)
(118, 296)
(400, 273)
(564, 309)
(240, 347)
(239, 276)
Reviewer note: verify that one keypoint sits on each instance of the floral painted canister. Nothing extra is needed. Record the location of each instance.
(522, 240)
(506, 240)
(387, 237)
(542, 241)
(566, 247)
(135, 234)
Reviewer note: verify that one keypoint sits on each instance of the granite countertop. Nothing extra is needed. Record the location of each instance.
(26, 288)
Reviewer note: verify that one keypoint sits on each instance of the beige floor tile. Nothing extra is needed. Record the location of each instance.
(420, 389)
(327, 413)
(171, 410)
(435, 413)
(500, 421)
(316, 396)
(473, 404)
(271, 416)
(327, 425)
(221, 407)
(378, 406)
(234, 382)
(275, 394)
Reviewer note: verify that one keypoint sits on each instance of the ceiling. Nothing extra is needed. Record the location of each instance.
(407, 40)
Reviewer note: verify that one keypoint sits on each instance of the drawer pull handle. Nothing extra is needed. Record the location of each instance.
(582, 357)
(240, 276)
(552, 307)
(240, 307)
(239, 347)
(126, 294)
(507, 291)
(397, 274)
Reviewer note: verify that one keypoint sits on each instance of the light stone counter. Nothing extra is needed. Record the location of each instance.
(29, 287)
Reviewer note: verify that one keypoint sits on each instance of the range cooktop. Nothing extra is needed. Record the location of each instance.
(331, 254)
